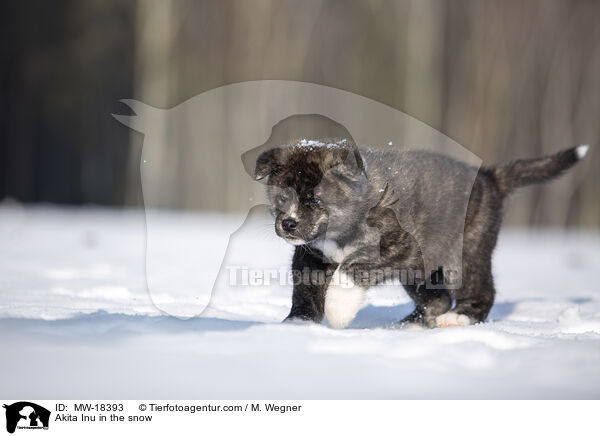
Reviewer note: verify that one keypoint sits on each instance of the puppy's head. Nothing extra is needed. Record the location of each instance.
(313, 187)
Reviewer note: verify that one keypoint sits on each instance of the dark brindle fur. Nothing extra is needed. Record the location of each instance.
(355, 211)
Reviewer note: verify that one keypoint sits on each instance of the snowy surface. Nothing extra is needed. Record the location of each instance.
(76, 320)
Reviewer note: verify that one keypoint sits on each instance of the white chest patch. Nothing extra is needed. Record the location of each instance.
(332, 251)
(335, 253)
(342, 301)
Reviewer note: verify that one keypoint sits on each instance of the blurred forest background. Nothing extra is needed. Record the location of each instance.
(504, 78)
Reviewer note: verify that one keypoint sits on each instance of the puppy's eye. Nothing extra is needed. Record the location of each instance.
(282, 198)
(315, 200)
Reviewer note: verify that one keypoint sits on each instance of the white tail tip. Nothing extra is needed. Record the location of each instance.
(581, 151)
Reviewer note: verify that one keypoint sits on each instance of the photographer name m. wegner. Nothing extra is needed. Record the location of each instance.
(245, 276)
(246, 407)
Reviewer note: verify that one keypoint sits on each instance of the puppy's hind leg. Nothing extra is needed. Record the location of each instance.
(475, 296)
(429, 304)
(473, 300)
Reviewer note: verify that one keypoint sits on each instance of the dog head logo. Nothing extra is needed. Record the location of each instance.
(190, 161)
(26, 415)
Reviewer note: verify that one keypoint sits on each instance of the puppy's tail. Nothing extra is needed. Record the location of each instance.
(523, 172)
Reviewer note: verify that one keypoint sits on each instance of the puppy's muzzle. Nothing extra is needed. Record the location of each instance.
(289, 225)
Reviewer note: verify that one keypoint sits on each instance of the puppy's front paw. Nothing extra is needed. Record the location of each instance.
(452, 319)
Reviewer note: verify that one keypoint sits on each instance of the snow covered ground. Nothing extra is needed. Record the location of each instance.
(76, 321)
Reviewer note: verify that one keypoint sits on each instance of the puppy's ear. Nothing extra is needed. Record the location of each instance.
(351, 166)
(266, 163)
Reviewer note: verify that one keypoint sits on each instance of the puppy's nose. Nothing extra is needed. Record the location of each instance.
(289, 225)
